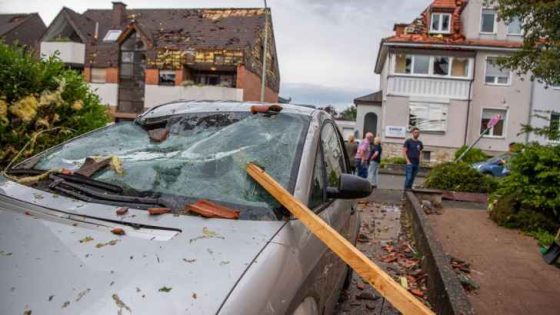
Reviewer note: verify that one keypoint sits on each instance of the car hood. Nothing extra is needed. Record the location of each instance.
(58, 256)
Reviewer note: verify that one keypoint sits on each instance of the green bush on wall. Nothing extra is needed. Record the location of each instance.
(474, 155)
(459, 176)
(42, 103)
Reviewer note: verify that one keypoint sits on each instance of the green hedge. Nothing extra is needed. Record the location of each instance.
(459, 176)
(529, 198)
(474, 155)
(42, 103)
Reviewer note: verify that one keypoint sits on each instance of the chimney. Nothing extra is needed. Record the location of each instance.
(399, 29)
(119, 14)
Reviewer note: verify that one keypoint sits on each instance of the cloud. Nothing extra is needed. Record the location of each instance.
(320, 95)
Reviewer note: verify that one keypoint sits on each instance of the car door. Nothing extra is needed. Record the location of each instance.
(330, 164)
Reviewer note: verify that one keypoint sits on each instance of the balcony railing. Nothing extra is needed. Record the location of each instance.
(430, 87)
(69, 52)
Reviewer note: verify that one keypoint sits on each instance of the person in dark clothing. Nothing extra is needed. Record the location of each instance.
(374, 161)
(351, 150)
(411, 151)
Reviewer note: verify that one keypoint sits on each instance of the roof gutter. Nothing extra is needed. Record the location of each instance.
(447, 46)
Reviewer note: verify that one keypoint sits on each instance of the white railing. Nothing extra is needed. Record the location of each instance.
(159, 94)
(444, 88)
(69, 52)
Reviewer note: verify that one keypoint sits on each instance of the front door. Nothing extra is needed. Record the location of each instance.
(370, 124)
(131, 74)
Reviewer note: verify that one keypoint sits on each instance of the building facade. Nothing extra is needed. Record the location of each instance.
(138, 58)
(438, 73)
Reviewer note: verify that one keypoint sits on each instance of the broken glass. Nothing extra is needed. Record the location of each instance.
(204, 156)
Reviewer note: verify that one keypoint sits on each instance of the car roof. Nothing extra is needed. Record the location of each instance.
(182, 107)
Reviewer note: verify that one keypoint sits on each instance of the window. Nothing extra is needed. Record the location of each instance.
(166, 77)
(494, 75)
(488, 21)
(421, 64)
(514, 26)
(333, 155)
(428, 116)
(440, 23)
(426, 156)
(441, 65)
(403, 63)
(555, 124)
(112, 35)
(318, 192)
(460, 67)
(223, 79)
(498, 130)
(98, 75)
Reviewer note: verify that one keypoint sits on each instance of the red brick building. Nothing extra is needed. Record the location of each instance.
(138, 58)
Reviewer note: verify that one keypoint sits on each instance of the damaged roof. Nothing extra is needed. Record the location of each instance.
(23, 28)
(417, 33)
(192, 28)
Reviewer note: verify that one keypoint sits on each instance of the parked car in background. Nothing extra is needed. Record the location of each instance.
(59, 253)
(496, 166)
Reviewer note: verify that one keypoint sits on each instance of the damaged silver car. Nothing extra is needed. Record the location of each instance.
(158, 216)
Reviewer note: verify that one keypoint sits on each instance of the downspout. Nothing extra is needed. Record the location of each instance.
(469, 103)
(531, 94)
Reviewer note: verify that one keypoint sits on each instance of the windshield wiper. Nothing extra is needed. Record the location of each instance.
(70, 177)
(91, 194)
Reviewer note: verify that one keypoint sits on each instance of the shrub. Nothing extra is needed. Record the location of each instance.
(459, 176)
(42, 103)
(399, 160)
(531, 193)
(474, 155)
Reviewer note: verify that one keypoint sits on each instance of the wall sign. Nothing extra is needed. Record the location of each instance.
(395, 131)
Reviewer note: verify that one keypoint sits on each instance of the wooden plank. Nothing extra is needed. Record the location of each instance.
(400, 298)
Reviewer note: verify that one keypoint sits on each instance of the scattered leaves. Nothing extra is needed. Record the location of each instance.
(164, 289)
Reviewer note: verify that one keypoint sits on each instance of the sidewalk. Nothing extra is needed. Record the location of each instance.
(507, 265)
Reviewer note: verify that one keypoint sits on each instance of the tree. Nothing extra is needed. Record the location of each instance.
(349, 113)
(42, 103)
(540, 52)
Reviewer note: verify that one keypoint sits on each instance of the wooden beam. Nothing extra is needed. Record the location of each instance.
(400, 298)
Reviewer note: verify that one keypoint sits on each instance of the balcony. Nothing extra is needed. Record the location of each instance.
(159, 94)
(69, 52)
(429, 87)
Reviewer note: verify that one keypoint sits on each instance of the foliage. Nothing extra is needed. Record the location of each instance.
(531, 191)
(399, 160)
(459, 176)
(551, 131)
(544, 238)
(540, 53)
(349, 113)
(42, 103)
(473, 155)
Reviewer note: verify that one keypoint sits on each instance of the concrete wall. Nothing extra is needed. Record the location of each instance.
(514, 98)
(70, 52)
(545, 101)
(471, 20)
(159, 94)
(397, 112)
(107, 92)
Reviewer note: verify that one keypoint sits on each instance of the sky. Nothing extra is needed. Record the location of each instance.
(326, 48)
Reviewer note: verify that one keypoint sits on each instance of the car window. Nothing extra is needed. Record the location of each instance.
(204, 156)
(318, 185)
(333, 155)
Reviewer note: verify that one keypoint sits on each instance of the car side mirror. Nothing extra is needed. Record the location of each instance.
(350, 187)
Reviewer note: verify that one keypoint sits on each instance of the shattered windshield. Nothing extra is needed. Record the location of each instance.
(202, 156)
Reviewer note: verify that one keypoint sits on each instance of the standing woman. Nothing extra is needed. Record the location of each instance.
(374, 162)
(351, 150)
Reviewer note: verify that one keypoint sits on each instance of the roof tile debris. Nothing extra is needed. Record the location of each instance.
(419, 32)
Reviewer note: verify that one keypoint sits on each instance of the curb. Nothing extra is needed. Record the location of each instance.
(445, 293)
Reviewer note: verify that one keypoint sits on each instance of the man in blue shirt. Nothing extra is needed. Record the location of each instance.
(412, 148)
